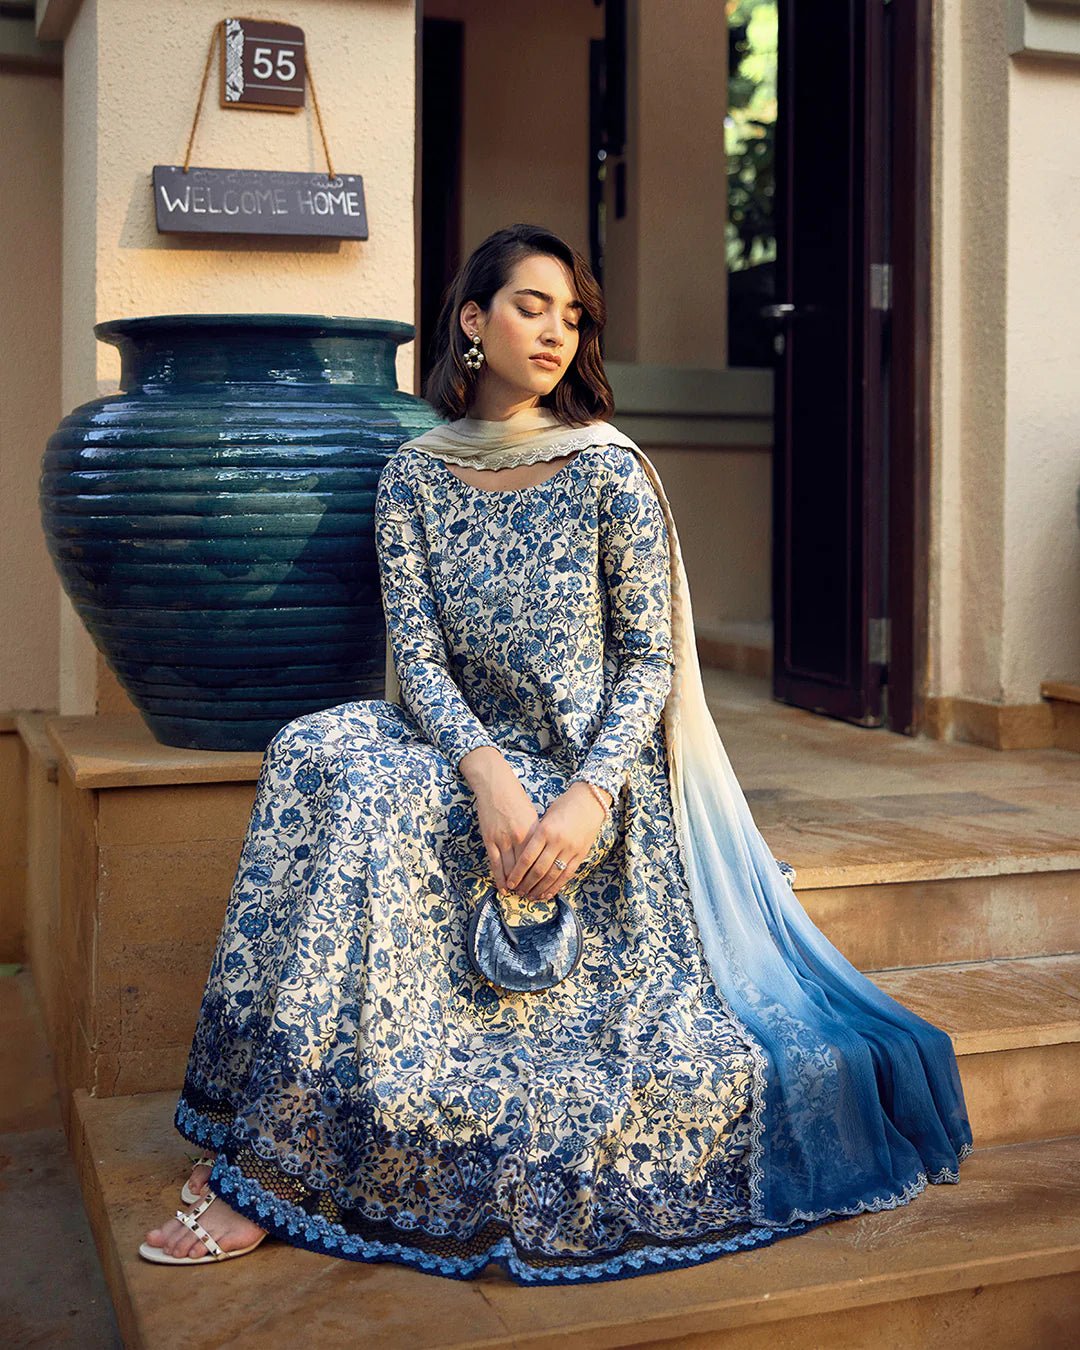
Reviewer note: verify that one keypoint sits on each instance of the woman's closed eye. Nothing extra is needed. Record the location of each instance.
(535, 314)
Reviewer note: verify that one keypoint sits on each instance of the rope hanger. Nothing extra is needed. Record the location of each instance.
(202, 94)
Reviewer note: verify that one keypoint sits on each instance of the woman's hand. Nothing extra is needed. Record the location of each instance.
(504, 810)
(567, 830)
(507, 817)
(522, 846)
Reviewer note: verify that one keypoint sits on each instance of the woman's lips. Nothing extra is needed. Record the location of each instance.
(549, 363)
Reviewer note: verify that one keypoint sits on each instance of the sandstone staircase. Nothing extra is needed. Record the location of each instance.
(951, 874)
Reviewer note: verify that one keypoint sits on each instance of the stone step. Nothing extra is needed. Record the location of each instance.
(897, 923)
(1064, 699)
(1015, 1025)
(991, 1262)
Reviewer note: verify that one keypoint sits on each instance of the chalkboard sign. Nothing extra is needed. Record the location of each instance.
(254, 201)
(262, 65)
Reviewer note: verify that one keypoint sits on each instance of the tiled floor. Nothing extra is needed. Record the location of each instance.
(852, 805)
(52, 1291)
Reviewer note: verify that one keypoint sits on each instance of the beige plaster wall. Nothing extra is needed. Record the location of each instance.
(722, 503)
(131, 79)
(946, 421)
(526, 114)
(970, 240)
(1042, 414)
(678, 181)
(666, 277)
(30, 191)
(1005, 549)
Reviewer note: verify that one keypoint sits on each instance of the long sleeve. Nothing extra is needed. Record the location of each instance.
(417, 644)
(633, 546)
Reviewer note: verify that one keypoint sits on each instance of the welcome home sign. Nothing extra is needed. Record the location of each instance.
(257, 201)
(264, 68)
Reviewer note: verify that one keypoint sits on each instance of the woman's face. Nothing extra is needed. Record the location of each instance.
(535, 314)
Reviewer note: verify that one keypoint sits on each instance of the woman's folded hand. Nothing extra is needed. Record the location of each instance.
(567, 830)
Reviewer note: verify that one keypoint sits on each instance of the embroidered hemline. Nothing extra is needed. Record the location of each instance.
(314, 1232)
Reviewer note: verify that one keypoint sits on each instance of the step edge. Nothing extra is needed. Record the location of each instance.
(109, 1257)
(1002, 1041)
(1035, 1031)
(811, 878)
(807, 1301)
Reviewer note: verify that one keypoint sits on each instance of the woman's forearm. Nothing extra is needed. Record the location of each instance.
(484, 767)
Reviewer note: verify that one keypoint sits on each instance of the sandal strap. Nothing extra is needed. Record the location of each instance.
(201, 1205)
(191, 1220)
(200, 1232)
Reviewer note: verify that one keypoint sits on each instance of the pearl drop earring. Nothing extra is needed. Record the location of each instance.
(474, 357)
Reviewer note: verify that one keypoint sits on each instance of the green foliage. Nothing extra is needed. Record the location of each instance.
(749, 132)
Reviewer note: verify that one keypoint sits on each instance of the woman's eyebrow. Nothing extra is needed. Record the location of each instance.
(542, 295)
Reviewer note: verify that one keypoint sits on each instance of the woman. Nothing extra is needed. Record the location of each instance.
(712, 1074)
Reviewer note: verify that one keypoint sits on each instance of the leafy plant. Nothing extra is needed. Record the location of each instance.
(750, 132)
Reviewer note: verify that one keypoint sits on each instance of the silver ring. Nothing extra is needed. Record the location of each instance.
(559, 864)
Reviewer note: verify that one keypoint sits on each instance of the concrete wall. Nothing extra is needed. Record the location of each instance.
(131, 79)
(1005, 560)
(1041, 543)
(30, 402)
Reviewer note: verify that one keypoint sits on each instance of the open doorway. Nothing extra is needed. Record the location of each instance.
(751, 188)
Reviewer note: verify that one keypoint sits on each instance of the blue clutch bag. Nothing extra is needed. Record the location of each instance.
(525, 958)
(522, 958)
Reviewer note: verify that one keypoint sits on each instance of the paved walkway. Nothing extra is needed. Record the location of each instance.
(52, 1292)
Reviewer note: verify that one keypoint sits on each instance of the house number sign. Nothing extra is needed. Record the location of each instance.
(264, 67)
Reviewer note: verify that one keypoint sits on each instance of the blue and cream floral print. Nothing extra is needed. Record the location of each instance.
(370, 1096)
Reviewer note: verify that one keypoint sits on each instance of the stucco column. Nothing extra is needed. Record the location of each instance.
(131, 80)
(970, 239)
(1005, 549)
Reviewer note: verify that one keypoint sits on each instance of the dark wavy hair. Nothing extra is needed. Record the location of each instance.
(583, 394)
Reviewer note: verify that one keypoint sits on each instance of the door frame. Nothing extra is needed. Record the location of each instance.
(895, 288)
(909, 422)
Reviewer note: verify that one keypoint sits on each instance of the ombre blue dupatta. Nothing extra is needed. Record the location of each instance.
(857, 1100)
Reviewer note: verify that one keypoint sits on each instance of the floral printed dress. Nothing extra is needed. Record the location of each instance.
(368, 1094)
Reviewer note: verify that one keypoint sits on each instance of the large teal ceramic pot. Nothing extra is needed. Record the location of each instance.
(213, 521)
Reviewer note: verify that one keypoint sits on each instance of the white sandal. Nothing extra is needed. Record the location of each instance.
(214, 1251)
(189, 1196)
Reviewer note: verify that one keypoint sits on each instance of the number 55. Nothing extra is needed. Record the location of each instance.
(265, 63)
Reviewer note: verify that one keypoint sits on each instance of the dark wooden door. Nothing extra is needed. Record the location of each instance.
(830, 545)
(442, 85)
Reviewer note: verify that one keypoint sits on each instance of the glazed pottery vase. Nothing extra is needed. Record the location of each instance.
(213, 522)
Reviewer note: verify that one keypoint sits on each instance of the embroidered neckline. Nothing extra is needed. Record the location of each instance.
(502, 459)
(507, 492)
